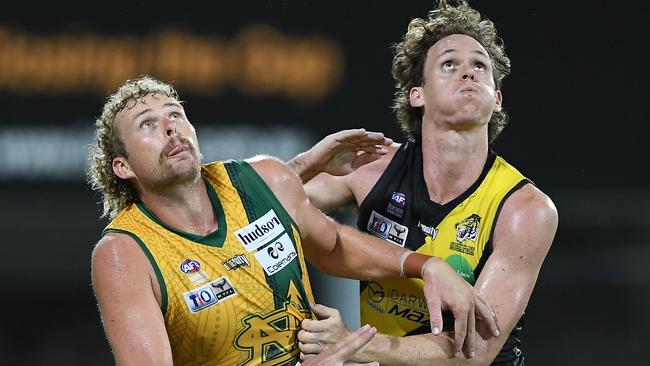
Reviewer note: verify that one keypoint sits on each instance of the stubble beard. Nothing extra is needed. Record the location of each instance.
(171, 175)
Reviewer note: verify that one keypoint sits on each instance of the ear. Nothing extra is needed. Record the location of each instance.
(498, 100)
(122, 169)
(416, 97)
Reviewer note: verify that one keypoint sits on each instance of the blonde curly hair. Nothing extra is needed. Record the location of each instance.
(117, 193)
(410, 56)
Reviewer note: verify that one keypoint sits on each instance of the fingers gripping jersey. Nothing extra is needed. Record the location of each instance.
(236, 296)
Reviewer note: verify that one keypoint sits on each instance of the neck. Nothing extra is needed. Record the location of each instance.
(452, 160)
(186, 206)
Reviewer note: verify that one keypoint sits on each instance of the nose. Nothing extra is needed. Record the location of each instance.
(468, 73)
(170, 128)
(468, 76)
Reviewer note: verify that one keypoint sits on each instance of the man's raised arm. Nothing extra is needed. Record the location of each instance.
(343, 251)
(522, 238)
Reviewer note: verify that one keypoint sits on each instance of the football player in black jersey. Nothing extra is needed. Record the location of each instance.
(448, 70)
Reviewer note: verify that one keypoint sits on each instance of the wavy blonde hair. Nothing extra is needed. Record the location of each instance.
(410, 56)
(117, 193)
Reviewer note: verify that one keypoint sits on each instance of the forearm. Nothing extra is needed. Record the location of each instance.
(340, 153)
(361, 256)
(425, 349)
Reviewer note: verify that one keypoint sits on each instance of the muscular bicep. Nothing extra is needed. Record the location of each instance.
(318, 232)
(337, 250)
(328, 192)
(130, 312)
(522, 238)
(523, 235)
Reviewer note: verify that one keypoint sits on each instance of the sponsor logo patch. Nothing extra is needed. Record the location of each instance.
(260, 232)
(411, 306)
(209, 294)
(375, 292)
(462, 267)
(429, 231)
(387, 229)
(235, 262)
(276, 255)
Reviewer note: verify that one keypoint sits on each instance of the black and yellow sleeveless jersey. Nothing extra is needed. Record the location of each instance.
(399, 210)
(236, 296)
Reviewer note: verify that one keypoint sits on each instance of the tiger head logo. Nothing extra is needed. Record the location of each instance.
(468, 228)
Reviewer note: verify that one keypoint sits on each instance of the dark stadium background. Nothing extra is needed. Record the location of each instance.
(578, 104)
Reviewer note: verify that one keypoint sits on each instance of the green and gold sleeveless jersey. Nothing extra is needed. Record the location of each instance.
(398, 209)
(236, 296)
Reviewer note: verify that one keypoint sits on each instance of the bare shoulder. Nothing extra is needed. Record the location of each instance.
(362, 180)
(528, 216)
(274, 171)
(377, 167)
(114, 245)
(117, 255)
(281, 179)
(531, 203)
(263, 162)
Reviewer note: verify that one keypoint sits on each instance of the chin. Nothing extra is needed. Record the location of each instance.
(467, 119)
(180, 172)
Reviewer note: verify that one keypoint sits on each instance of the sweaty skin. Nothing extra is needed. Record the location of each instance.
(163, 163)
(457, 97)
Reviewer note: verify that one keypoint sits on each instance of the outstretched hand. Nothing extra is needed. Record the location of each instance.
(341, 153)
(327, 342)
(445, 290)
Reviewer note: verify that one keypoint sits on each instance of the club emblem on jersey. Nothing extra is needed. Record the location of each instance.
(189, 266)
(270, 339)
(209, 294)
(468, 228)
(396, 204)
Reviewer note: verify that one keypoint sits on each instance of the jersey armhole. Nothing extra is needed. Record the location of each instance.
(374, 194)
(238, 169)
(489, 246)
(156, 269)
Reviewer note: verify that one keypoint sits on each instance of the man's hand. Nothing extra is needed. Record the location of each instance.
(330, 340)
(444, 289)
(340, 153)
